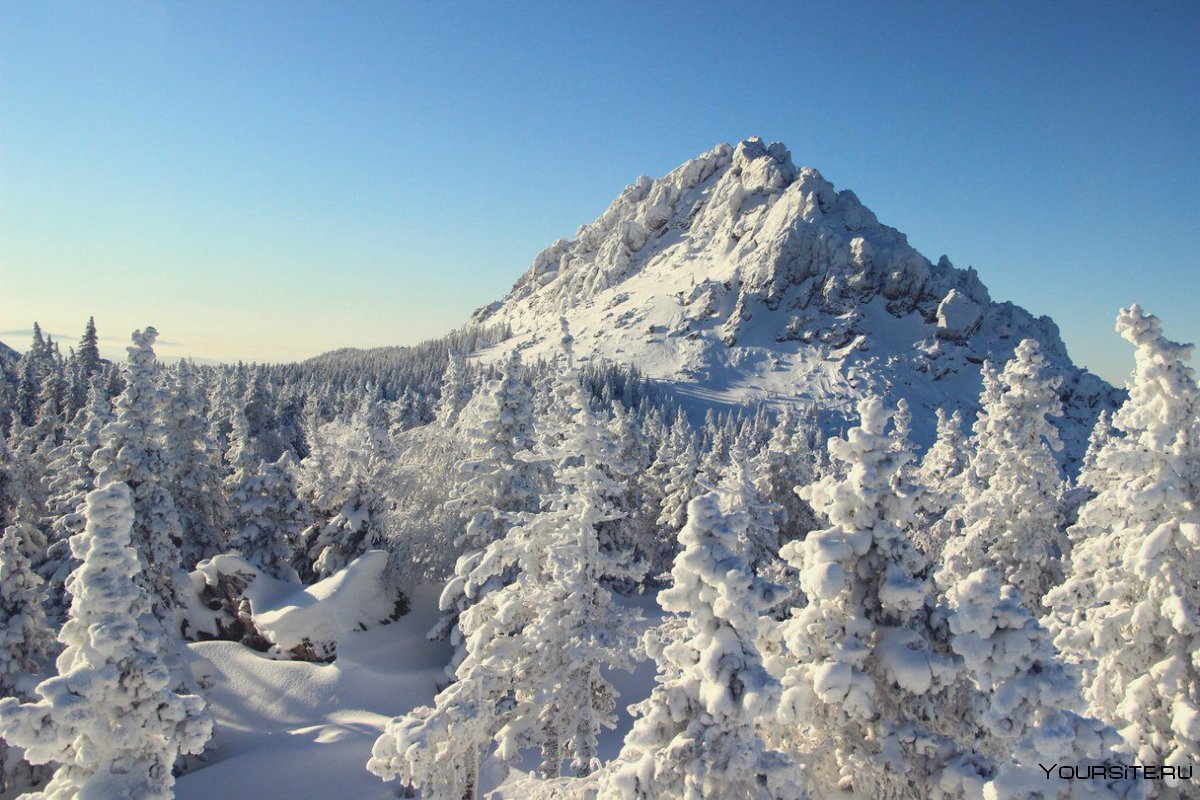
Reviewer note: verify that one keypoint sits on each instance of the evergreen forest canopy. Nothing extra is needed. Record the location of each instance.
(841, 614)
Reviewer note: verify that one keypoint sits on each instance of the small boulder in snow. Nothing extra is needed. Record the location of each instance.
(958, 316)
(234, 600)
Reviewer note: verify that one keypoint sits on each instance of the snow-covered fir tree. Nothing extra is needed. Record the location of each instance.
(1092, 474)
(697, 736)
(457, 389)
(69, 477)
(86, 365)
(718, 435)
(534, 645)
(1091, 477)
(351, 531)
(349, 521)
(132, 452)
(572, 629)
(494, 482)
(27, 385)
(1128, 609)
(222, 400)
(497, 427)
(678, 464)
(1013, 523)
(627, 538)
(315, 478)
(108, 720)
(195, 480)
(1026, 712)
(865, 676)
(266, 513)
(24, 635)
(759, 535)
(259, 408)
(47, 431)
(942, 474)
(25, 643)
(785, 461)
(22, 496)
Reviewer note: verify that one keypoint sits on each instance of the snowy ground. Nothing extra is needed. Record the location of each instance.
(289, 729)
(299, 730)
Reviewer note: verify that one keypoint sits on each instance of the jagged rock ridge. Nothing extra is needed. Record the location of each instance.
(739, 277)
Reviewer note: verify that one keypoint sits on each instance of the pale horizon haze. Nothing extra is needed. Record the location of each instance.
(269, 181)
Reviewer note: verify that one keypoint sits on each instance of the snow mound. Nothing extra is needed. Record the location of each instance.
(351, 599)
(234, 599)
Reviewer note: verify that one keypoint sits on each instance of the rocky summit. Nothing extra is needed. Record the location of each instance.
(741, 278)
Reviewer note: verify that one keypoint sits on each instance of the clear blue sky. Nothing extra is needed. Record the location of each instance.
(268, 180)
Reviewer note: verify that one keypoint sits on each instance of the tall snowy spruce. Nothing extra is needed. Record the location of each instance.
(348, 519)
(457, 390)
(785, 461)
(573, 629)
(69, 478)
(1012, 524)
(22, 495)
(697, 736)
(629, 538)
(1129, 609)
(758, 529)
(534, 646)
(866, 677)
(47, 431)
(195, 479)
(25, 638)
(494, 482)
(895, 693)
(677, 465)
(109, 719)
(266, 513)
(1093, 477)
(132, 452)
(87, 364)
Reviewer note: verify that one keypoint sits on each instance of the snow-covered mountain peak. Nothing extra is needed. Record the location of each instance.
(747, 205)
(739, 277)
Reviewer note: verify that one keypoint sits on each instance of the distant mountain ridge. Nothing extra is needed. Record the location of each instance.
(740, 278)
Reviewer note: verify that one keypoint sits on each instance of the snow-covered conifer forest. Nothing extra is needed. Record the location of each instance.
(735, 495)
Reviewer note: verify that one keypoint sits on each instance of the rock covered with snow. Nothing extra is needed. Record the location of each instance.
(235, 599)
(958, 316)
(741, 277)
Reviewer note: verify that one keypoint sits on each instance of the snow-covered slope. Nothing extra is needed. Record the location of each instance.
(739, 277)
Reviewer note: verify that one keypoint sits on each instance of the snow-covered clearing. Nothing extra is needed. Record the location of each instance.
(291, 729)
(299, 730)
